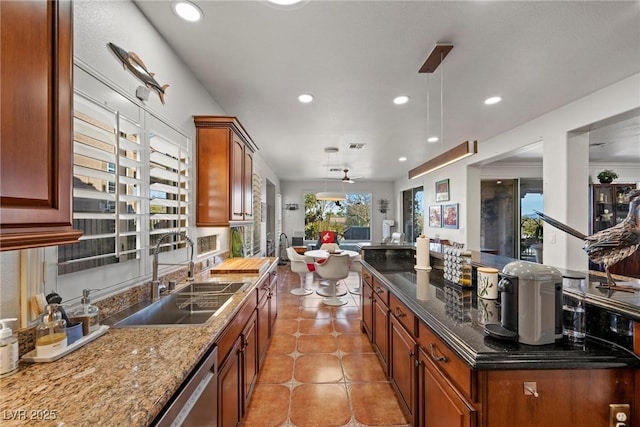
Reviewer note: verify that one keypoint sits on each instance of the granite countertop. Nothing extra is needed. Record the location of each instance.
(451, 311)
(124, 377)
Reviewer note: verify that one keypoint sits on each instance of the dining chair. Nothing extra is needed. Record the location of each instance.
(356, 266)
(335, 268)
(299, 265)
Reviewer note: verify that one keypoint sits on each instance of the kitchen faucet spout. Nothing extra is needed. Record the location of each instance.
(154, 277)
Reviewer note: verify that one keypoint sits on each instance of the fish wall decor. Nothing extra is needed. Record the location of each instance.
(133, 62)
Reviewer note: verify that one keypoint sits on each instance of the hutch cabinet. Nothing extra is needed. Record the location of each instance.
(224, 175)
(36, 82)
(608, 208)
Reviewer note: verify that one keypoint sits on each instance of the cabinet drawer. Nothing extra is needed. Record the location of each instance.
(403, 314)
(263, 288)
(446, 360)
(367, 277)
(381, 291)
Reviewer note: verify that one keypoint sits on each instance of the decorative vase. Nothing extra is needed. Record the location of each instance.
(605, 180)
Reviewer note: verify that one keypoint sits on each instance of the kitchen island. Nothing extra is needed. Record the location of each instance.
(127, 376)
(429, 336)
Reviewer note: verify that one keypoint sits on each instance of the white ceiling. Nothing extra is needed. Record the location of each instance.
(356, 56)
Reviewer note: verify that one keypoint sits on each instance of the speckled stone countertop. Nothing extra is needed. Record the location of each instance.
(123, 378)
(451, 311)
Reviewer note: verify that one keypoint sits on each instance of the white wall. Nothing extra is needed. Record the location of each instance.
(564, 177)
(293, 192)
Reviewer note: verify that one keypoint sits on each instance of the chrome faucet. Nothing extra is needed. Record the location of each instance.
(156, 288)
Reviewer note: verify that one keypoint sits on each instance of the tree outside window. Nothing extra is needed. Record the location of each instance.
(350, 218)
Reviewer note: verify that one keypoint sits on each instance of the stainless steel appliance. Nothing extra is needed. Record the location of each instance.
(531, 304)
(196, 402)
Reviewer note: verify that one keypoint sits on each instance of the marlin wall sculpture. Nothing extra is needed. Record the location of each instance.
(133, 62)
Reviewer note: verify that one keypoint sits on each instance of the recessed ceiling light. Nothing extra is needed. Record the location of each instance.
(433, 139)
(402, 99)
(284, 2)
(402, 159)
(187, 11)
(305, 98)
(493, 100)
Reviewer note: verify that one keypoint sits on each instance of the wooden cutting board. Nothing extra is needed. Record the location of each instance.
(241, 265)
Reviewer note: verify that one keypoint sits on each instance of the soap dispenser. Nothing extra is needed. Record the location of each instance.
(87, 313)
(8, 350)
(51, 334)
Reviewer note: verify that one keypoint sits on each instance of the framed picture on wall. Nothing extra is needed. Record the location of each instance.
(450, 215)
(442, 190)
(435, 216)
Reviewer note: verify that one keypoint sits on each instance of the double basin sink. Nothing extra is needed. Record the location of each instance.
(194, 304)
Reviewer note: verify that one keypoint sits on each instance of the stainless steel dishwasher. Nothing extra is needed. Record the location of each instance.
(196, 401)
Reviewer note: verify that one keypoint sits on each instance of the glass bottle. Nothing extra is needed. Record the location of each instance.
(51, 335)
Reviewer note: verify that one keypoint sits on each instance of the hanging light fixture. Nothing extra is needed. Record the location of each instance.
(467, 148)
(332, 196)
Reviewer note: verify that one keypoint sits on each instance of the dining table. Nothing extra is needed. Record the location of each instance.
(324, 254)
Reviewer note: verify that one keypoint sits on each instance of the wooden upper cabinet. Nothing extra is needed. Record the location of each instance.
(36, 83)
(224, 175)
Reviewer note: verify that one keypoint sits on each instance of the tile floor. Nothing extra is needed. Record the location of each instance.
(320, 369)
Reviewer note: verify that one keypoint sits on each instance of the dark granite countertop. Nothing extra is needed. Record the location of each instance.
(451, 312)
(623, 303)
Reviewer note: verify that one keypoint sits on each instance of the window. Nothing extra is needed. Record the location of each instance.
(413, 213)
(107, 167)
(168, 185)
(350, 218)
(130, 185)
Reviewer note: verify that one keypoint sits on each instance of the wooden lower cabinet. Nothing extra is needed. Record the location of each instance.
(263, 328)
(230, 387)
(240, 348)
(249, 359)
(381, 331)
(576, 397)
(439, 403)
(402, 362)
(367, 308)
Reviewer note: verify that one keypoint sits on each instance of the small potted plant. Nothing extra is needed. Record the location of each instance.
(607, 176)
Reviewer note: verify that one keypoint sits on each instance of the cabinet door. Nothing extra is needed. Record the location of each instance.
(263, 327)
(36, 124)
(237, 179)
(273, 301)
(381, 331)
(439, 404)
(249, 359)
(230, 387)
(247, 184)
(402, 364)
(570, 397)
(212, 172)
(367, 309)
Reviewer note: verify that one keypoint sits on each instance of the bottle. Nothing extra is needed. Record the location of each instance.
(8, 350)
(87, 313)
(51, 334)
(465, 279)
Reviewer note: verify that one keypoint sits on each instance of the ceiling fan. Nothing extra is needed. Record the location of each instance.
(346, 178)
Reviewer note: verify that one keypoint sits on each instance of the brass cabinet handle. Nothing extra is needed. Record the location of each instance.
(379, 290)
(432, 347)
(399, 313)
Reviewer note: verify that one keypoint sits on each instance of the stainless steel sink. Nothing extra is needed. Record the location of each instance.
(194, 304)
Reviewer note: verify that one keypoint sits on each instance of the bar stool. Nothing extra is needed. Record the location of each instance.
(299, 265)
(335, 268)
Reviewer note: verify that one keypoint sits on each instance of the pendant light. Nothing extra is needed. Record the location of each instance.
(459, 152)
(332, 196)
